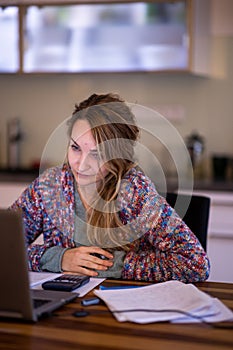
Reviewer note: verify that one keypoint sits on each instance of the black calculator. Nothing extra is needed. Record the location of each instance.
(66, 282)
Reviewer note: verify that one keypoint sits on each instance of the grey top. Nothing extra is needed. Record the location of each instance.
(51, 259)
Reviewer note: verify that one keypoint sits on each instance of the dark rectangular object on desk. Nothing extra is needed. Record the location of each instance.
(66, 282)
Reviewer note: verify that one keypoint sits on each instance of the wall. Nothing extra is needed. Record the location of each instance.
(43, 101)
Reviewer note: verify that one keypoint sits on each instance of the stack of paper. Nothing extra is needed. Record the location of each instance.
(165, 302)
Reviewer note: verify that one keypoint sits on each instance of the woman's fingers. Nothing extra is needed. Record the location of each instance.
(100, 260)
(82, 260)
(99, 252)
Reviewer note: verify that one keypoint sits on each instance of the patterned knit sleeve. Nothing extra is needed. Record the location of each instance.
(165, 248)
(30, 204)
(38, 220)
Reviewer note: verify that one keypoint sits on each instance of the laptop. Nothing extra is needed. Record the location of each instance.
(17, 300)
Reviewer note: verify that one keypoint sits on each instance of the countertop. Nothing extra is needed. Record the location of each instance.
(27, 175)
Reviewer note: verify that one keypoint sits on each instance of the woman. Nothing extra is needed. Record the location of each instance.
(99, 214)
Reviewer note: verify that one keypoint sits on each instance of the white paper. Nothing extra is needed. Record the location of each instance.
(172, 295)
(218, 312)
(37, 278)
(94, 281)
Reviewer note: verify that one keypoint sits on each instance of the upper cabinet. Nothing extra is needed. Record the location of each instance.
(103, 36)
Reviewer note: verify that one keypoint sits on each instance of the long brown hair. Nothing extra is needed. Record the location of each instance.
(115, 131)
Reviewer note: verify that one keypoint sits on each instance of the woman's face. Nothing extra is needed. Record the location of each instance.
(83, 156)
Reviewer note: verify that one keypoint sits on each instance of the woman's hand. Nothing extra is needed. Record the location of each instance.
(80, 260)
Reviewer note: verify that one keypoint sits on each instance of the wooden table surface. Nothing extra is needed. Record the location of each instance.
(102, 332)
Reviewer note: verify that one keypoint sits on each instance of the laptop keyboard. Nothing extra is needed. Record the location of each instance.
(39, 302)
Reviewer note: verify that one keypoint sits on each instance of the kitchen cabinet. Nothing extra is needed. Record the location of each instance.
(220, 235)
(9, 192)
(53, 36)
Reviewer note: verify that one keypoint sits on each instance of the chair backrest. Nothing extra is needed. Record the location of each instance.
(197, 214)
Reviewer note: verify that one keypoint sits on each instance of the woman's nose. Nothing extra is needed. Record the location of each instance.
(83, 163)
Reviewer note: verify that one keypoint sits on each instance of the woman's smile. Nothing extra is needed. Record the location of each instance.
(83, 175)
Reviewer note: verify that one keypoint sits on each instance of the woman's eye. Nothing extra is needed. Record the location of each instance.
(95, 155)
(75, 148)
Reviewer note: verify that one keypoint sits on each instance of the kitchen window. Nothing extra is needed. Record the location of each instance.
(113, 37)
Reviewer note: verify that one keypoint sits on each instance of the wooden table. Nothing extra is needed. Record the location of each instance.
(102, 332)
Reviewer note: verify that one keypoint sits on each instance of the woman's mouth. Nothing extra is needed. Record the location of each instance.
(84, 175)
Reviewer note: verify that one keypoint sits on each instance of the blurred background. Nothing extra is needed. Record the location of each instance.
(141, 51)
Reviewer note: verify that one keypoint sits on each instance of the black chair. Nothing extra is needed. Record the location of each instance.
(196, 216)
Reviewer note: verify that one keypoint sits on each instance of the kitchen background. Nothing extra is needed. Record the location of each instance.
(191, 102)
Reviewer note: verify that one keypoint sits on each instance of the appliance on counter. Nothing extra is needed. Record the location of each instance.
(14, 138)
(222, 167)
(196, 145)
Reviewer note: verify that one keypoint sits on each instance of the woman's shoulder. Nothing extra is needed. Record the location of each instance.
(54, 186)
(136, 184)
(55, 170)
(58, 171)
(53, 176)
(136, 178)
